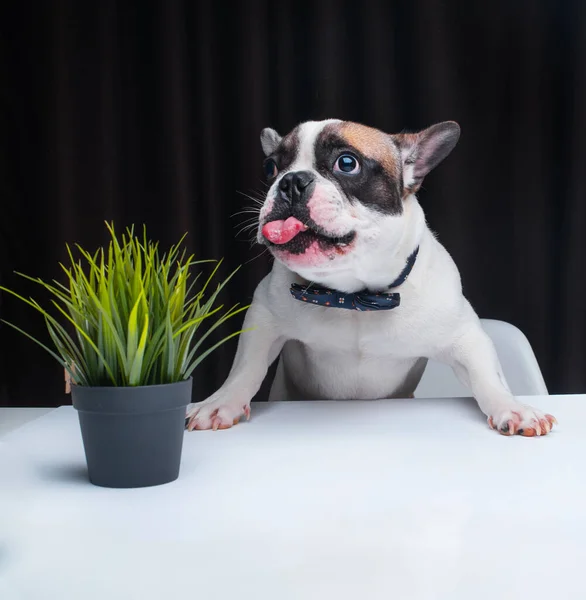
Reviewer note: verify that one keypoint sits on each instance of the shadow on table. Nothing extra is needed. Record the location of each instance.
(64, 473)
(467, 406)
(261, 408)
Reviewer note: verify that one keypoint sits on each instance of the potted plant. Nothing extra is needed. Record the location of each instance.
(124, 330)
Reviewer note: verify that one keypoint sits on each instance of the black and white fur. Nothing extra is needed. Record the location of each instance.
(360, 231)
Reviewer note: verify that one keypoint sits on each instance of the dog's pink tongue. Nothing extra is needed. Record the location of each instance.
(281, 232)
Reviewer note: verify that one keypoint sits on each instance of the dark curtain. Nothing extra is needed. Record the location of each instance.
(150, 111)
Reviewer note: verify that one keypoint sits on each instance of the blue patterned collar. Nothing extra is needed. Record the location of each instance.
(362, 301)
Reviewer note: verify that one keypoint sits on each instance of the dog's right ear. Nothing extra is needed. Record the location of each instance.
(269, 140)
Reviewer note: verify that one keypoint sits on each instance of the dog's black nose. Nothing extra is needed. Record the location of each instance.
(294, 185)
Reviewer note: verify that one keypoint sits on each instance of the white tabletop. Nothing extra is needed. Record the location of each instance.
(13, 418)
(405, 499)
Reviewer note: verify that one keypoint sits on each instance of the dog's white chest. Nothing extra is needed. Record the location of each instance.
(345, 331)
(337, 353)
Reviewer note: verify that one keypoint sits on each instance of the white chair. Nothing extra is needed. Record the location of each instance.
(519, 364)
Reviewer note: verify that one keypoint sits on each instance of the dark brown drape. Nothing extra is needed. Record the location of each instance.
(149, 112)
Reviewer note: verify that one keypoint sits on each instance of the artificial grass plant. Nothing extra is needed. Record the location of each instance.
(128, 314)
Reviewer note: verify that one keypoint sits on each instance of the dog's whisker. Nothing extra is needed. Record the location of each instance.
(246, 211)
(253, 222)
(258, 204)
(255, 199)
(254, 191)
(246, 228)
(257, 256)
(249, 220)
(247, 193)
(249, 224)
(259, 201)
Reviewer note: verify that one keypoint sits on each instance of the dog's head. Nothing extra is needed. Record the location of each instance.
(339, 190)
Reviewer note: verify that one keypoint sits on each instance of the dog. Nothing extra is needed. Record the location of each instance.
(361, 293)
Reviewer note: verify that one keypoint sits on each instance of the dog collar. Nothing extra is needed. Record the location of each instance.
(362, 301)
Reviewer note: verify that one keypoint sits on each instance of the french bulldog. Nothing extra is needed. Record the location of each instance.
(361, 293)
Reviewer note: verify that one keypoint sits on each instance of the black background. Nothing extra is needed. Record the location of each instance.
(150, 112)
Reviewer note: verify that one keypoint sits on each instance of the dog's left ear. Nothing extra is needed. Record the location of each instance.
(269, 140)
(421, 152)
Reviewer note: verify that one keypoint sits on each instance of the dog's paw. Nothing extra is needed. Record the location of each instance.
(521, 420)
(216, 414)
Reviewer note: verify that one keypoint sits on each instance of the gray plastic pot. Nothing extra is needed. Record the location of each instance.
(132, 436)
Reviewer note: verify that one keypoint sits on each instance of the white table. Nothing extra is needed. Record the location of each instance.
(406, 499)
(13, 418)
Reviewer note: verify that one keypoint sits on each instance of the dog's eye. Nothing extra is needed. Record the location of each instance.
(270, 168)
(347, 164)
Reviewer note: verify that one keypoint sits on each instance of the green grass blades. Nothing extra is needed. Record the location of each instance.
(129, 315)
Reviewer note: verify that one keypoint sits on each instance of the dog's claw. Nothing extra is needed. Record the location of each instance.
(191, 421)
(215, 415)
(508, 428)
(215, 421)
(522, 420)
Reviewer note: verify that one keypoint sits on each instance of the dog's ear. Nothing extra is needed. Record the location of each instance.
(269, 140)
(421, 152)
